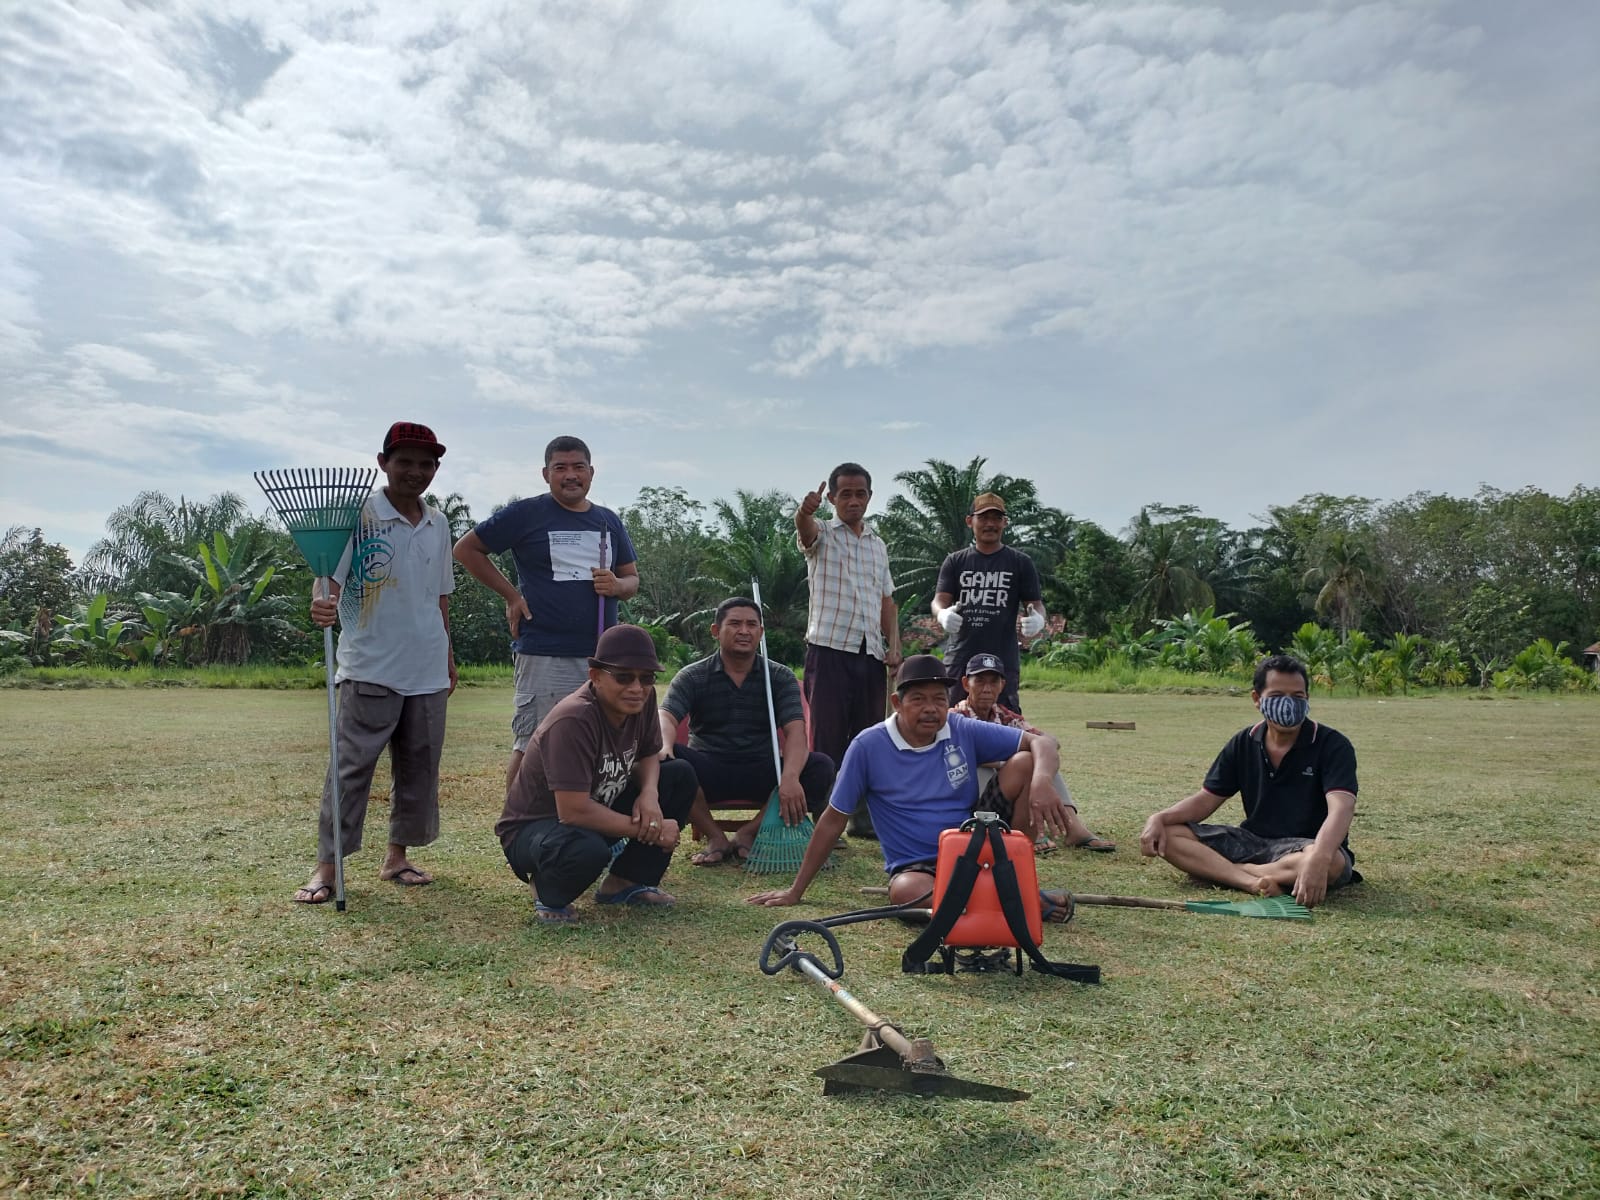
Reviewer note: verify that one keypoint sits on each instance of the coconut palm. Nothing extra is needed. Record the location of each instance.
(1166, 558)
(135, 555)
(1341, 579)
(929, 522)
(757, 541)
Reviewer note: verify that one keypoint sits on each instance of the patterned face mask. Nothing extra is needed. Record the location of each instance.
(1287, 712)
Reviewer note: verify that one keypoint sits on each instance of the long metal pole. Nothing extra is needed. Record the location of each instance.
(887, 1034)
(766, 674)
(333, 760)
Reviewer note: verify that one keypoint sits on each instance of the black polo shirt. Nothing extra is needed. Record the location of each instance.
(731, 721)
(1291, 801)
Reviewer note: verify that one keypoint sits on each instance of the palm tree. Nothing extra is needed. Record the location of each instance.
(135, 555)
(1341, 579)
(757, 542)
(1166, 559)
(930, 522)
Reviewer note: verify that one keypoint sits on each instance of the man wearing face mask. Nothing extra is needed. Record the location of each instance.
(1297, 780)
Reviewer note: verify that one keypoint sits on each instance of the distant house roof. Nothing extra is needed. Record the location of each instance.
(1594, 649)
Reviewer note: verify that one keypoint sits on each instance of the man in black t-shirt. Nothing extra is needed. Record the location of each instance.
(1297, 780)
(982, 589)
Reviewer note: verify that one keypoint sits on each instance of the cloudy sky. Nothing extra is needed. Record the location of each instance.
(1216, 254)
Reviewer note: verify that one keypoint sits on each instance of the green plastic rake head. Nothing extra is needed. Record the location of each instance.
(321, 507)
(778, 847)
(1271, 908)
(1274, 908)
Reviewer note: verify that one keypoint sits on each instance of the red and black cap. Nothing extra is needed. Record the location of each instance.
(409, 433)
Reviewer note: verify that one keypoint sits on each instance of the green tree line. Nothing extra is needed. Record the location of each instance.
(1464, 586)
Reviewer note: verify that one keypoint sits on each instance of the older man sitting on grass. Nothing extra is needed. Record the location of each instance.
(919, 771)
(985, 681)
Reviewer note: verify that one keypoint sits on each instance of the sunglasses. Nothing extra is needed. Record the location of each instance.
(629, 678)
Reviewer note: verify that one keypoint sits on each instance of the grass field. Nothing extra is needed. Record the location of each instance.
(173, 1026)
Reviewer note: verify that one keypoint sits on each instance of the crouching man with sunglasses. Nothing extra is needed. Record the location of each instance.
(592, 798)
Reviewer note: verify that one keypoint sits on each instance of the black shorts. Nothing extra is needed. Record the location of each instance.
(1239, 845)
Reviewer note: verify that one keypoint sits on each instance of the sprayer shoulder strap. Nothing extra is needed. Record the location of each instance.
(1010, 896)
(954, 902)
(951, 905)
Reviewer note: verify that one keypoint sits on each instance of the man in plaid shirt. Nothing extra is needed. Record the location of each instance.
(984, 681)
(853, 628)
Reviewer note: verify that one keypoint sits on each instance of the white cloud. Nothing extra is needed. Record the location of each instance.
(642, 215)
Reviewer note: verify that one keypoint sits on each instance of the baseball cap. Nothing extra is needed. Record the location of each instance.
(409, 433)
(920, 668)
(979, 663)
(986, 502)
(628, 647)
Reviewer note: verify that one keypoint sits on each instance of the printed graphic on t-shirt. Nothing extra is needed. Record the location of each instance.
(985, 595)
(611, 778)
(955, 765)
(370, 571)
(575, 553)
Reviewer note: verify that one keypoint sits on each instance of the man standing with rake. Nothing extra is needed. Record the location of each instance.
(396, 666)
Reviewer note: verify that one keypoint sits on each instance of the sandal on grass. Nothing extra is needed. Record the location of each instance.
(713, 856)
(409, 876)
(318, 891)
(545, 915)
(1096, 843)
(640, 894)
(1044, 844)
(1055, 908)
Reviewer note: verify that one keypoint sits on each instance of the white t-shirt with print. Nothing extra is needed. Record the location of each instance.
(392, 575)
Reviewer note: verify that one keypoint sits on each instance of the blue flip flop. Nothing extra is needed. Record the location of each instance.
(635, 895)
(1052, 913)
(546, 915)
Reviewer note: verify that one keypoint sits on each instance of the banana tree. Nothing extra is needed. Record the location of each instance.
(231, 602)
(90, 635)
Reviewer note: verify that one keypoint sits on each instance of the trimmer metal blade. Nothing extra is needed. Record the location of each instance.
(881, 1069)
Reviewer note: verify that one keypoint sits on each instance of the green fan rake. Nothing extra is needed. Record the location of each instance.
(321, 507)
(776, 847)
(1270, 908)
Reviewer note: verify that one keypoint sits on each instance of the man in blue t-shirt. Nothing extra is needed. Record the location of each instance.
(574, 563)
(1297, 779)
(919, 772)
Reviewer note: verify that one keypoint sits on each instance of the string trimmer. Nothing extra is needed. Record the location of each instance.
(887, 1060)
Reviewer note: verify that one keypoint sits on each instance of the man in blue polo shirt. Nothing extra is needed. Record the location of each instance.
(1297, 780)
(919, 771)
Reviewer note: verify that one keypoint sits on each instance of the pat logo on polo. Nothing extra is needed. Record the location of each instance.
(955, 765)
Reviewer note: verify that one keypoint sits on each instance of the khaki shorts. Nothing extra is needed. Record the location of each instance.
(542, 681)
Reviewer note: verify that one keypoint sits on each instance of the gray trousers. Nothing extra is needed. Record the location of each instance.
(541, 682)
(412, 727)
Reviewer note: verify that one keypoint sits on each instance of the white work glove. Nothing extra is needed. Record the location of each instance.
(950, 620)
(1033, 623)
